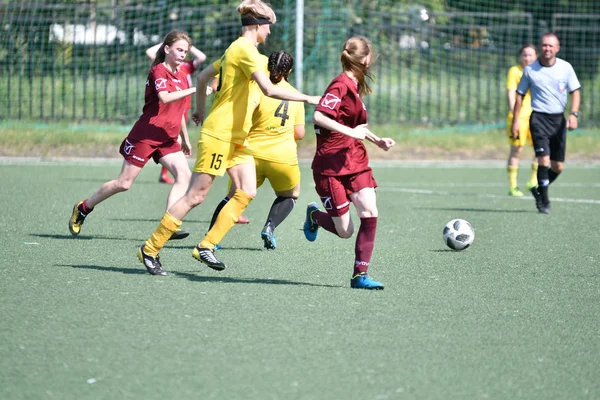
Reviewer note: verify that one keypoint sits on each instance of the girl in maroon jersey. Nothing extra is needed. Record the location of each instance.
(188, 67)
(341, 165)
(154, 135)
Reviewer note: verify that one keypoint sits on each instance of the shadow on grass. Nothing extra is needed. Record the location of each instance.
(445, 251)
(197, 278)
(86, 237)
(99, 180)
(127, 271)
(491, 210)
(224, 248)
(228, 279)
(157, 220)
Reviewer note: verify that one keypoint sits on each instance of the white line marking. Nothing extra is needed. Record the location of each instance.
(482, 195)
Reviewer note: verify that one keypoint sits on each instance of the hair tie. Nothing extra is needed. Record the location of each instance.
(250, 20)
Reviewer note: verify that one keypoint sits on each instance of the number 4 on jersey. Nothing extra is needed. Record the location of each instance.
(283, 115)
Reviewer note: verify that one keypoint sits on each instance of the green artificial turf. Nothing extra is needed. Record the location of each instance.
(515, 316)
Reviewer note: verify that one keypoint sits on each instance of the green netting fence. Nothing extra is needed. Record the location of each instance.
(439, 62)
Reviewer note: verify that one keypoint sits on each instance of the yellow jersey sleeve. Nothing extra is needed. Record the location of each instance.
(514, 76)
(272, 135)
(512, 81)
(229, 118)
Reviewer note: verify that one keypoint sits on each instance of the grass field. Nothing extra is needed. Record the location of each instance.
(516, 316)
(426, 141)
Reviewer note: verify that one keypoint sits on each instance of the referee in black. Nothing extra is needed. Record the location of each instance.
(549, 79)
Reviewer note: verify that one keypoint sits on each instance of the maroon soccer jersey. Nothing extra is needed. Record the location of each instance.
(161, 122)
(338, 154)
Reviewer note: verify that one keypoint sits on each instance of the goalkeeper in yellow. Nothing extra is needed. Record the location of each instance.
(276, 125)
(527, 55)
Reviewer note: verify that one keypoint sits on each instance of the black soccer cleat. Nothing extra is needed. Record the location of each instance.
(207, 256)
(545, 209)
(538, 198)
(152, 264)
(268, 237)
(180, 234)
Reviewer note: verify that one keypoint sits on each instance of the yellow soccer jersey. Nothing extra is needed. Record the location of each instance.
(272, 135)
(512, 81)
(229, 118)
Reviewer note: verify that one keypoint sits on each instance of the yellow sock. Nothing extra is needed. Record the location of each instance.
(167, 226)
(512, 171)
(533, 176)
(226, 219)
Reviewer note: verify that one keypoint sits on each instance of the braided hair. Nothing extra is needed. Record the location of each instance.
(280, 66)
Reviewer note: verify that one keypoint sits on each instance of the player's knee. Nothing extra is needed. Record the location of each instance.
(516, 151)
(123, 185)
(194, 198)
(346, 233)
(295, 193)
(183, 175)
(368, 213)
(250, 192)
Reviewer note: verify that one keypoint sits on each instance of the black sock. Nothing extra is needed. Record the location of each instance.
(281, 208)
(552, 175)
(217, 211)
(543, 182)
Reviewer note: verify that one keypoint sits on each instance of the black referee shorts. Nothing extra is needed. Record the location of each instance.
(549, 135)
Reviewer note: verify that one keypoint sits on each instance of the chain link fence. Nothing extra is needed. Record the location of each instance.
(84, 62)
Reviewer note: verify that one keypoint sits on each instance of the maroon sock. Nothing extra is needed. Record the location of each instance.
(84, 208)
(365, 241)
(324, 221)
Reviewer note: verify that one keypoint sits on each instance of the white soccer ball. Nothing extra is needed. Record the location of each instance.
(458, 234)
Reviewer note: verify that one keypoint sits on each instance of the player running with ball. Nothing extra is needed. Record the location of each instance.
(341, 165)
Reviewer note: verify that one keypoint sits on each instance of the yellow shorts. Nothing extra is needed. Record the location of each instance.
(241, 155)
(524, 132)
(282, 177)
(215, 156)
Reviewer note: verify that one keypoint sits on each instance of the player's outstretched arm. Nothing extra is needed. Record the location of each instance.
(169, 97)
(382, 143)
(202, 82)
(268, 89)
(360, 132)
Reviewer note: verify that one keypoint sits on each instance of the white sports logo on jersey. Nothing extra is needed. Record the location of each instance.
(562, 86)
(127, 147)
(330, 101)
(327, 202)
(161, 83)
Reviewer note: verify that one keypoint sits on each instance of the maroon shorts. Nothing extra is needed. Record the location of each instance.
(335, 191)
(138, 153)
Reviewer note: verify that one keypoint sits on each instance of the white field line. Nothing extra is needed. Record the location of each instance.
(493, 184)
(384, 188)
(491, 164)
(379, 164)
